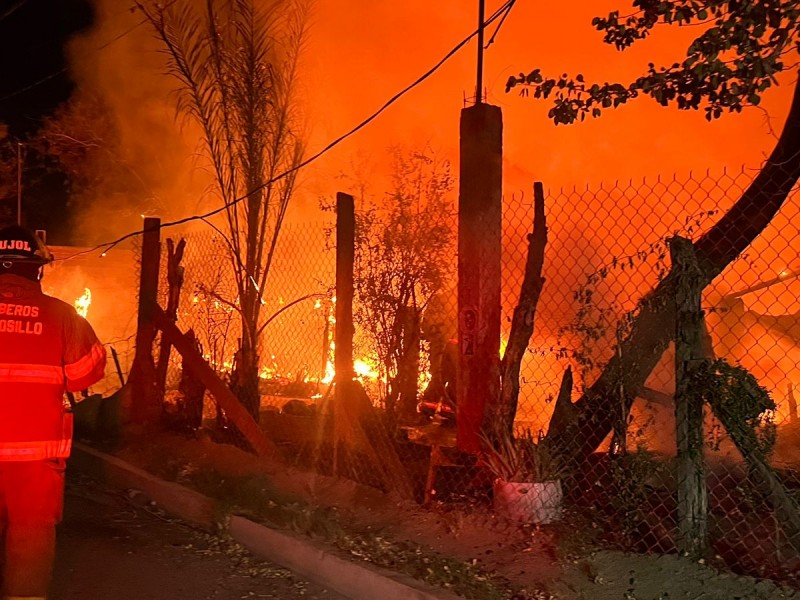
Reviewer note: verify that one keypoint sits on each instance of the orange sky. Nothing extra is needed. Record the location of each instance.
(361, 53)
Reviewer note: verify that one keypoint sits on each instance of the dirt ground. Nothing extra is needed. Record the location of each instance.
(538, 562)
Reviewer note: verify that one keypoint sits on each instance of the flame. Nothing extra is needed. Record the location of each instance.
(424, 379)
(363, 369)
(82, 304)
(329, 373)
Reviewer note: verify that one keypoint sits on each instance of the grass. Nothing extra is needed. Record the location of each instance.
(255, 497)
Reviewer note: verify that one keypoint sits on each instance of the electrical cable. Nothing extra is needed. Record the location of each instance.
(107, 246)
(63, 70)
(11, 10)
(37, 83)
(500, 24)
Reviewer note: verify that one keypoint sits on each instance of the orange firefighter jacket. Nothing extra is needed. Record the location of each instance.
(45, 348)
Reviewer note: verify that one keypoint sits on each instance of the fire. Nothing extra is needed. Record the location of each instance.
(329, 373)
(82, 304)
(363, 369)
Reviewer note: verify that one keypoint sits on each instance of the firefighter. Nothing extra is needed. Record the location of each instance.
(45, 349)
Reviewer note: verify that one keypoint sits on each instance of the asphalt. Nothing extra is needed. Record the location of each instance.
(329, 571)
(116, 544)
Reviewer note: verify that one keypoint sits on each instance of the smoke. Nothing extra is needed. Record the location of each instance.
(359, 54)
(153, 152)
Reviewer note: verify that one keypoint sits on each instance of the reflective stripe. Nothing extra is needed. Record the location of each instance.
(87, 363)
(21, 373)
(40, 450)
(35, 450)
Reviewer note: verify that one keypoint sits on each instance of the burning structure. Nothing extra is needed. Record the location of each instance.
(605, 250)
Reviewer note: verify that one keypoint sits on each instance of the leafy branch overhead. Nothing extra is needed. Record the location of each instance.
(744, 44)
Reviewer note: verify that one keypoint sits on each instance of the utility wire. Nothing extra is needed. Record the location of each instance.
(37, 83)
(500, 24)
(11, 10)
(107, 246)
(63, 70)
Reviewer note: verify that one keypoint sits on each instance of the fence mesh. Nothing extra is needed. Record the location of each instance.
(607, 247)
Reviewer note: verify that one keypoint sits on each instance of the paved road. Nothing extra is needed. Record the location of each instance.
(113, 545)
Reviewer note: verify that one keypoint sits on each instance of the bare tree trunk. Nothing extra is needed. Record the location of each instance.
(652, 328)
(408, 366)
(523, 320)
(244, 377)
(792, 402)
(193, 391)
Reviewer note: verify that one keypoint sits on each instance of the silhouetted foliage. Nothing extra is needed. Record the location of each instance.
(742, 47)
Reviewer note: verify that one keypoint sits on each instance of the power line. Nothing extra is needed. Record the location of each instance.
(63, 70)
(11, 9)
(107, 246)
(500, 24)
(37, 83)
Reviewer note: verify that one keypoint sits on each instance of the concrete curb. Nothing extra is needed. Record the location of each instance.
(345, 577)
(357, 581)
(187, 504)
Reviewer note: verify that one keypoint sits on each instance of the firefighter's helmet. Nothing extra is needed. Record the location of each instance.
(20, 245)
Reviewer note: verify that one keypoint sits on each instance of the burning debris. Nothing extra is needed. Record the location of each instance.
(82, 304)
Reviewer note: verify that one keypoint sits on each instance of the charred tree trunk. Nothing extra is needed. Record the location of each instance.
(408, 365)
(244, 376)
(596, 411)
(175, 283)
(523, 320)
(193, 390)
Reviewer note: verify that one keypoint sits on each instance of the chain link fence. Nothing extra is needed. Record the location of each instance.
(607, 247)
(295, 316)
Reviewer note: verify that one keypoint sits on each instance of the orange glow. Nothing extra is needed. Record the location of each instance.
(350, 44)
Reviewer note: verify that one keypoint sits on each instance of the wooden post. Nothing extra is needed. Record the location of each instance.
(408, 367)
(345, 259)
(479, 246)
(692, 491)
(115, 356)
(146, 406)
(175, 283)
(193, 360)
(353, 418)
